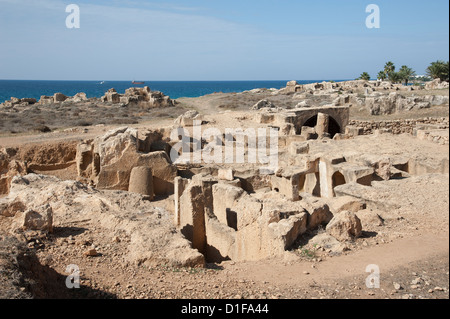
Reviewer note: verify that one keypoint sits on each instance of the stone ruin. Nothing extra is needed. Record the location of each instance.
(44, 100)
(239, 213)
(108, 161)
(236, 211)
(376, 97)
(367, 86)
(144, 97)
(436, 84)
(217, 210)
(325, 121)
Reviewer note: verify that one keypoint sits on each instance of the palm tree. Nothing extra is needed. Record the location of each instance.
(439, 70)
(395, 77)
(406, 73)
(389, 69)
(364, 76)
(381, 76)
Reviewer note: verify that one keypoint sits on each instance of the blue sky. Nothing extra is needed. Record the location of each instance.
(217, 40)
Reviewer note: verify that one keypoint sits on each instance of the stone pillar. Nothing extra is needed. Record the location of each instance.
(192, 217)
(141, 181)
(325, 180)
(179, 186)
(323, 121)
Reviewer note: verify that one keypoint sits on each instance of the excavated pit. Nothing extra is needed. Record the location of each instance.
(252, 215)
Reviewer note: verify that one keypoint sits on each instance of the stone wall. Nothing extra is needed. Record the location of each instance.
(401, 126)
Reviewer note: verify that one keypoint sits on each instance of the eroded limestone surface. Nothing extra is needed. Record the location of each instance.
(327, 180)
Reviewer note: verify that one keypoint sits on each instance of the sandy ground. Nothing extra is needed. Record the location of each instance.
(411, 249)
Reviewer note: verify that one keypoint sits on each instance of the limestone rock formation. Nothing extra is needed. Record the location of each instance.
(18, 102)
(8, 169)
(154, 240)
(345, 226)
(188, 119)
(436, 84)
(40, 218)
(263, 104)
(143, 97)
(141, 181)
(109, 159)
(395, 102)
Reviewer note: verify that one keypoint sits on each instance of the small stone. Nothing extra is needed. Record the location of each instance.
(397, 286)
(91, 253)
(226, 174)
(306, 272)
(438, 289)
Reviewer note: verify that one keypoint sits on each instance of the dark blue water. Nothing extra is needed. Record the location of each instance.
(175, 89)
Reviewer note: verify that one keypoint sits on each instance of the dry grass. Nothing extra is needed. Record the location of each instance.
(84, 114)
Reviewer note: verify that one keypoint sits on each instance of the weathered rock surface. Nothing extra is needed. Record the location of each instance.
(40, 218)
(144, 97)
(8, 169)
(141, 181)
(345, 226)
(154, 240)
(263, 104)
(188, 118)
(109, 159)
(18, 102)
(436, 84)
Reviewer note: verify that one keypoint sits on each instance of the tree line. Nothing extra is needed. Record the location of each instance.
(436, 70)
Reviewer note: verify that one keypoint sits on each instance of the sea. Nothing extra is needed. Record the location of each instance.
(175, 89)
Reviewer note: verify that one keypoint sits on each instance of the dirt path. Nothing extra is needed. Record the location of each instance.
(389, 257)
(418, 264)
